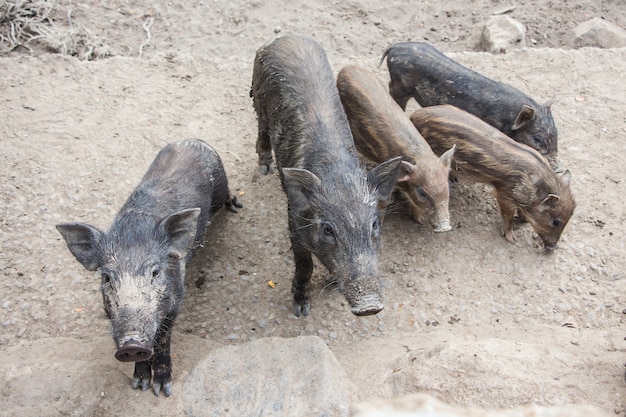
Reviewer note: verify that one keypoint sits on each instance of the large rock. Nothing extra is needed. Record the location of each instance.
(422, 405)
(501, 34)
(269, 377)
(600, 33)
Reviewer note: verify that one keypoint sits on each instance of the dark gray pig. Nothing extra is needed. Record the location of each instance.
(143, 256)
(332, 200)
(419, 70)
(523, 179)
(382, 130)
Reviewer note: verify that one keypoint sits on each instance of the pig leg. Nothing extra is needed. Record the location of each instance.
(264, 147)
(162, 361)
(301, 280)
(507, 211)
(233, 204)
(142, 375)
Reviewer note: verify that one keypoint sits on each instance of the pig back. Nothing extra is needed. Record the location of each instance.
(380, 128)
(419, 70)
(434, 79)
(185, 174)
(483, 153)
(294, 89)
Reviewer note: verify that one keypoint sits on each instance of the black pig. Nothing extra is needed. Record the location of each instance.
(143, 256)
(332, 200)
(419, 70)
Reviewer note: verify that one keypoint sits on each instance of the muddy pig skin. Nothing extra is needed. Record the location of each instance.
(382, 131)
(332, 201)
(419, 70)
(522, 178)
(142, 257)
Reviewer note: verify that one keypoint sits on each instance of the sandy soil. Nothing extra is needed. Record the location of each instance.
(77, 136)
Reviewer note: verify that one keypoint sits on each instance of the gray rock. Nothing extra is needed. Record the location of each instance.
(600, 33)
(269, 377)
(423, 405)
(501, 34)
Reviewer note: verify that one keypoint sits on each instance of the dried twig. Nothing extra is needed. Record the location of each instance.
(146, 26)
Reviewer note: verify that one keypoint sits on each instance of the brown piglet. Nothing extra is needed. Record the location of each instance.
(382, 130)
(522, 178)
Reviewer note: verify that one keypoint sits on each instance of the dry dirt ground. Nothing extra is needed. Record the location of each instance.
(486, 323)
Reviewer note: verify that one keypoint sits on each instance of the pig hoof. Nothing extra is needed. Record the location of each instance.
(234, 204)
(302, 309)
(509, 236)
(141, 381)
(142, 375)
(167, 388)
(418, 219)
(266, 169)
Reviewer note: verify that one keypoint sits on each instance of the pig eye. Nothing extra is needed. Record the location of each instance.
(420, 193)
(106, 278)
(156, 272)
(556, 222)
(327, 229)
(376, 225)
(539, 140)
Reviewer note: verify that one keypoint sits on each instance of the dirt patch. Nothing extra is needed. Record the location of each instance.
(78, 136)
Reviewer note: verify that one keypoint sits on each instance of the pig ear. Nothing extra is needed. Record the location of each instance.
(406, 170)
(299, 185)
(180, 229)
(525, 116)
(383, 177)
(550, 199)
(83, 241)
(566, 178)
(549, 103)
(446, 158)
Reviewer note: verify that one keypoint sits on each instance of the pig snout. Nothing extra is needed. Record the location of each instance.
(364, 293)
(367, 306)
(441, 218)
(442, 226)
(133, 351)
(549, 246)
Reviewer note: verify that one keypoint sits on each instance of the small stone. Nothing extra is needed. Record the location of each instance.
(600, 33)
(501, 34)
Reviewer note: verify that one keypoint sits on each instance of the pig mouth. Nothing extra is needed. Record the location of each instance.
(133, 351)
(551, 247)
